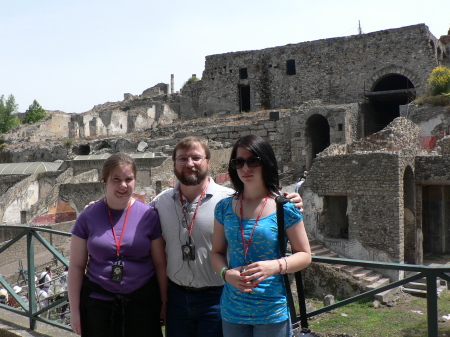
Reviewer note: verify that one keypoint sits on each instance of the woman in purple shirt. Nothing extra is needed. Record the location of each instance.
(117, 276)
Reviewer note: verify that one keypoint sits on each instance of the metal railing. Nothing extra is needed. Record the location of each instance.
(28, 306)
(431, 273)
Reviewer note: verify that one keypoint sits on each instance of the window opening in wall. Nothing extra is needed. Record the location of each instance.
(290, 67)
(243, 74)
(244, 98)
(340, 128)
(335, 216)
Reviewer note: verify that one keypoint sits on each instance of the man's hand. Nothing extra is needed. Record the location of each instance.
(296, 199)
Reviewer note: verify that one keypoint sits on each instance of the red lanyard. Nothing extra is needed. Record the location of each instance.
(246, 246)
(119, 243)
(190, 226)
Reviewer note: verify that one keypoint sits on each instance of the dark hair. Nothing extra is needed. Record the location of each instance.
(114, 161)
(260, 148)
(187, 143)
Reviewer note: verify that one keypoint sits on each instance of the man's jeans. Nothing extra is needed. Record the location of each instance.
(193, 313)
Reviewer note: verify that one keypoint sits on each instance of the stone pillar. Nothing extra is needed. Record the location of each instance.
(171, 83)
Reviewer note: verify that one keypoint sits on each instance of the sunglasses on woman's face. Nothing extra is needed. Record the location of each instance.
(251, 162)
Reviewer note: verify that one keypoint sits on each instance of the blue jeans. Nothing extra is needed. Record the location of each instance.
(193, 313)
(282, 329)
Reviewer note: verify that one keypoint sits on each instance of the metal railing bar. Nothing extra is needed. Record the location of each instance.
(13, 241)
(36, 228)
(12, 293)
(381, 265)
(52, 249)
(362, 296)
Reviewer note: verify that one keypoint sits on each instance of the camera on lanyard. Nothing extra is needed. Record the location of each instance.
(188, 251)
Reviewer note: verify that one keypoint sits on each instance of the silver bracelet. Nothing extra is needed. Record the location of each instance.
(285, 260)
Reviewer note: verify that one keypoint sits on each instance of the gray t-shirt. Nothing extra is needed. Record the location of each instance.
(198, 273)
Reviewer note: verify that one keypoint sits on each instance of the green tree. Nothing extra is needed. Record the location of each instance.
(8, 114)
(34, 113)
(439, 81)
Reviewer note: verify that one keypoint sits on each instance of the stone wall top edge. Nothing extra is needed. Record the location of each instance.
(329, 40)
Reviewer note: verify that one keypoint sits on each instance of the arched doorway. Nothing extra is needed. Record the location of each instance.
(387, 94)
(318, 137)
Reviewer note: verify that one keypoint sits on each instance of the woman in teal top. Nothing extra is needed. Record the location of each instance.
(245, 248)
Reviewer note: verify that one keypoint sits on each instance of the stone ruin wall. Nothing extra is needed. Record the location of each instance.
(334, 70)
(372, 180)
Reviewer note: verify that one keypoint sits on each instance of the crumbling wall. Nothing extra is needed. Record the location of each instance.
(369, 173)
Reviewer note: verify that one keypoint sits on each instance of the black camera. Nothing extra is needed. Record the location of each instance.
(188, 251)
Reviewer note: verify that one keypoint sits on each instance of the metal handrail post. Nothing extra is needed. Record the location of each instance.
(31, 283)
(432, 303)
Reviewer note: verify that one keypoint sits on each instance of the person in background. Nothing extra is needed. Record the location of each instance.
(300, 182)
(245, 249)
(3, 296)
(187, 217)
(118, 242)
(45, 279)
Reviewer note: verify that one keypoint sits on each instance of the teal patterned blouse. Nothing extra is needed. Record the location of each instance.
(267, 302)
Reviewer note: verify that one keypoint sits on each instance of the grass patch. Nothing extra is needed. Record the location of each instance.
(407, 318)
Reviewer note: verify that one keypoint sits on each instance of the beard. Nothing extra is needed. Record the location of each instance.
(193, 178)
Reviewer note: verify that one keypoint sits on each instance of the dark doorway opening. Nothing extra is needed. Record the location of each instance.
(318, 132)
(244, 98)
(387, 95)
(336, 218)
(82, 150)
(436, 219)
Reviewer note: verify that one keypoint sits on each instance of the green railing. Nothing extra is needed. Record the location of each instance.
(29, 309)
(432, 274)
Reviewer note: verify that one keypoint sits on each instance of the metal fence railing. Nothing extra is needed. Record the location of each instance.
(52, 314)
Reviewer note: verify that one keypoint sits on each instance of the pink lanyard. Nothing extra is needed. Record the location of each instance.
(118, 243)
(246, 246)
(190, 226)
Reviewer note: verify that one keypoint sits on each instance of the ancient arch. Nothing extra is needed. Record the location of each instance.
(317, 137)
(390, 87)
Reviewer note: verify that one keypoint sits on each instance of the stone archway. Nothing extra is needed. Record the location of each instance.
(391, 87)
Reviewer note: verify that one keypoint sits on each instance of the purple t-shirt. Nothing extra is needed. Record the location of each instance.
(93, 224)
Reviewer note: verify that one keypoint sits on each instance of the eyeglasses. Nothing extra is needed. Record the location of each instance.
(251, 162)
(184, 160)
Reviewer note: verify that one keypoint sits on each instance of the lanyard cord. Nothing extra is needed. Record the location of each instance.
(118, 243)
(190, 226)
(246, 246)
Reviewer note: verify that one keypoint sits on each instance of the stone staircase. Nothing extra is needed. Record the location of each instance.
(372, 280)
(419, 287)
(369, 278)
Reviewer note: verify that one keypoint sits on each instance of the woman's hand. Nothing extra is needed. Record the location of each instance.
(75, 322)
(163, 313)
(259, 271)
(237, 280)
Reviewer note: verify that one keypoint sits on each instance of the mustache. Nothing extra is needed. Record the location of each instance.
(191, 170)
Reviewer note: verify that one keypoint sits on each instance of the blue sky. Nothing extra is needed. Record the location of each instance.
(72, 55)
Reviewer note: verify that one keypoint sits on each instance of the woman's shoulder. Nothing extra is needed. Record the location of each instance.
(93, 209)
(225, 202)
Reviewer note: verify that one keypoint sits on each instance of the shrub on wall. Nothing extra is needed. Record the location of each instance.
(439, 81)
